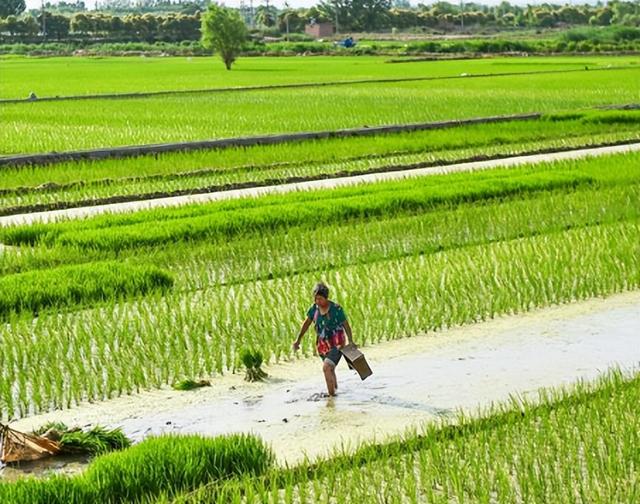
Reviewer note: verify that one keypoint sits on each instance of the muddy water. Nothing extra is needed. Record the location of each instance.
(415, 380)
(74, 213)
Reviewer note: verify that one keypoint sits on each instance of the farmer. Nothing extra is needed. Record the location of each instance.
(331, 324)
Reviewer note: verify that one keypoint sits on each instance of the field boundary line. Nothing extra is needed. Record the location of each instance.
(223, 143)
(270, 87)
(132, 206)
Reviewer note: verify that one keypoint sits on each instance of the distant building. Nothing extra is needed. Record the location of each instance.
(319, 30)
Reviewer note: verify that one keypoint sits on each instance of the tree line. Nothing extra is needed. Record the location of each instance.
(349, 15)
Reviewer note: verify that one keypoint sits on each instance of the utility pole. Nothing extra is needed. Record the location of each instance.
(252, 14)
(461, 14)
(335, 3)
(286, 17)
(44, 22)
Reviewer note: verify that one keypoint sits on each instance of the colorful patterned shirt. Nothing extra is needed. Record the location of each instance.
(329, 327)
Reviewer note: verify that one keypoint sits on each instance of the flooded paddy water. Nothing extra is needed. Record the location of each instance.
(415, 380)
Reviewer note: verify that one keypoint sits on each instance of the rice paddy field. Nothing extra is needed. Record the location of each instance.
(120, 304)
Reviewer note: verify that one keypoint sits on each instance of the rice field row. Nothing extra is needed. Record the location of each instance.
(80, 76)
(59, 126)
(159, 340)
(575, 445)
(572, 443)
(458, 264)
(76, 183)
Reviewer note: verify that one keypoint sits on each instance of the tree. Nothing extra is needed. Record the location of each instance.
(11, 7)
(266, 16)
(57, 25)
(223, 31)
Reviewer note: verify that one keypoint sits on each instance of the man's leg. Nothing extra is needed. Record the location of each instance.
(329, 370)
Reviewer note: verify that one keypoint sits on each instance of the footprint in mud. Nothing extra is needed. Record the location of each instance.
(252, 400)
(401, 403)
(318, 397)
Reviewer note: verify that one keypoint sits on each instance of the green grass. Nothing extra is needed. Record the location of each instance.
(160, 465)
(577, 444)
(71, 76)
(47, 126)
(78, 182)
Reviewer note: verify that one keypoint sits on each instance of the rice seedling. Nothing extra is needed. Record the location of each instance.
(57, 76)
(227, 222)
(95, 441)
(163, 339)
(78, 182)
(554, 449)
(191, 384)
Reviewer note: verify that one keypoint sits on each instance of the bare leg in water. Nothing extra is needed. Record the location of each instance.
(329, 370)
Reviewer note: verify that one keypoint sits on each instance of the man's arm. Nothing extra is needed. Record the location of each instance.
(303, 330)
(347, 329)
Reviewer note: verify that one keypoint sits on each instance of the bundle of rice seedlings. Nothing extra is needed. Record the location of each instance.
(93, 442)
(252, 360)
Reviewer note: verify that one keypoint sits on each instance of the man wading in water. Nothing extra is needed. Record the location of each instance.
(331, 324)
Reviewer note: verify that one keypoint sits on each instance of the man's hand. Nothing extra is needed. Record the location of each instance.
(296, 345)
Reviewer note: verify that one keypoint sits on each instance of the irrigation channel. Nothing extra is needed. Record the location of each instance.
(133, 206)
(416, 380)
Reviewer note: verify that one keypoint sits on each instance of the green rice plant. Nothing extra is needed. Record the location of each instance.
(152, 341)
(34, 291)
(38, 187)
(364, 201)
(252, 360)
(227, 224)
(573, 441)
(476, 257)
(295, 250)
(57, 76)
(191, 384)
(61, 126)
(234, 162)
(158, 465)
